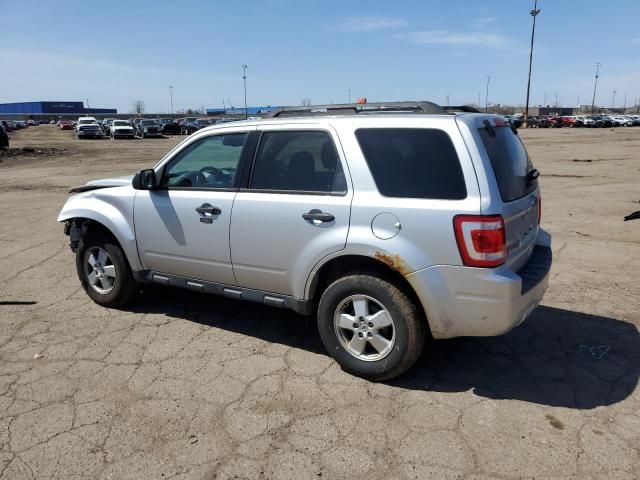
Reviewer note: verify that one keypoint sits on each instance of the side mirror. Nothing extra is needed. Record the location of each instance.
(145, 180)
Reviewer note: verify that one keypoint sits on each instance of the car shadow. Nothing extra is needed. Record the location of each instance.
(557, 357)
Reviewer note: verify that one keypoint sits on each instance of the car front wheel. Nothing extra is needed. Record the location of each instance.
(104, 271)
(370, 327)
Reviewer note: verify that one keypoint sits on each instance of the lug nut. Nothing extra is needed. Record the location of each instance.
(369, 334)
(360, 334)
(355, 325)
(361, 319)
(371, 324)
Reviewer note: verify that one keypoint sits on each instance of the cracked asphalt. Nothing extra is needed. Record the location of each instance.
(186, 386)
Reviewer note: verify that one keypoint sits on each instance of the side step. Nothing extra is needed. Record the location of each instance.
(302, 307)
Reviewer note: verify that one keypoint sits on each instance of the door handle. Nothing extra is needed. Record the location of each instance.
(318, 215)
(208, 208)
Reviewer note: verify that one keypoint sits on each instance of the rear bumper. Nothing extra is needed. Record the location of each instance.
(465, 301)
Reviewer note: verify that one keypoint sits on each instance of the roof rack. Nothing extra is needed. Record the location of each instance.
(364, 108)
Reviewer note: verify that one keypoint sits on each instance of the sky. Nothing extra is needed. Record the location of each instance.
(115, 52)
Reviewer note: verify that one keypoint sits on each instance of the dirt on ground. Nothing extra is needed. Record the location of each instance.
(187, 386)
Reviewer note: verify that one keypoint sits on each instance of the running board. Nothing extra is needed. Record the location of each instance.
(231, 291)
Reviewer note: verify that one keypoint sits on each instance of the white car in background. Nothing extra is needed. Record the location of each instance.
(121, 128)
(88, 127)
(622, 121)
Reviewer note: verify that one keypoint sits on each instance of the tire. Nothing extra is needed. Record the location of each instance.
(404, 336)
(123, 286)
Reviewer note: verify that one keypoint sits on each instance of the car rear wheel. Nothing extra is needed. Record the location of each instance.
(370, 327)
(104, 271)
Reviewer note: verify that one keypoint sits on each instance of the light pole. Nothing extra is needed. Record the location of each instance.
(534, 13)
(613, 102)
(244, 79)
(171, 97)
(349, 95)
(595, 86)
(486, 97)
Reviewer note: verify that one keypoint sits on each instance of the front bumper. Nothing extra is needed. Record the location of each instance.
(480, 302)
(89, 133)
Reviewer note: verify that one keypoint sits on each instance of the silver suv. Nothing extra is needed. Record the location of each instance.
(388, 225)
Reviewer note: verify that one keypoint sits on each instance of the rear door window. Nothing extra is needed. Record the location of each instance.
(298, 161)
(510, 162)
(413, 163)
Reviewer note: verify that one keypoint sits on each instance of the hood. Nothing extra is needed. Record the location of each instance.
(103, 183)
(111, 182)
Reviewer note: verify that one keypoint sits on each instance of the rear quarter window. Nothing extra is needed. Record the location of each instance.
(413, 163)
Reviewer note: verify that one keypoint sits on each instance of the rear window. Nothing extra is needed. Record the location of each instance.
(510, 162)
(413, 163)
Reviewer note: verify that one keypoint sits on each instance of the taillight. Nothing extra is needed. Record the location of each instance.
(539, 208)
(481, 239)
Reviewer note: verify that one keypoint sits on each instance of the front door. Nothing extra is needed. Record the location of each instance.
(295, 211)
(182, 228)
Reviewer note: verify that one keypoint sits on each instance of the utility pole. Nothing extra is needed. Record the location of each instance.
(349, 96)
(595, 87)
(479, 99)
(448, 100)
(88, 108)
(613, 102)
(624, 105)
(534, 13)
(545, 99)
(244, 79)
(486, 97)
(171, 97)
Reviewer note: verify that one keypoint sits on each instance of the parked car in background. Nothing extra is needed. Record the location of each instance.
(622, 121)
(106, 126)
(168, 126)
(65, 125)
(121, 129)
(32, 123)
(635, 120)
(514, 121)
(4, 137)
(147, 127)
(186, 121)
(585, 121)
(8, 127)
(87, 127)
(193, 127)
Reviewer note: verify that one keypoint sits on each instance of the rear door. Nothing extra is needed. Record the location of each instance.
(294, 212)
(517, 196)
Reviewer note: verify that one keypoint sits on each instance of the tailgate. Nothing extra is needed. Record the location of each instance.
(517, 183)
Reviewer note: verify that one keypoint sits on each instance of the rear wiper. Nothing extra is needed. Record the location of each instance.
(533, 174)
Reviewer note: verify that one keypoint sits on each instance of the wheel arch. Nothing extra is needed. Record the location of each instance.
(109, 219)
(380, 266)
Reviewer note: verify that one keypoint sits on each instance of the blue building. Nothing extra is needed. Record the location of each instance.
(239, 110)
(51, 108)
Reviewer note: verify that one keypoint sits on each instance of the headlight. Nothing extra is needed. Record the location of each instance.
(146, 129)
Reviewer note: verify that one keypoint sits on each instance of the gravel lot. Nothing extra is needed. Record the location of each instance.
(185, 386)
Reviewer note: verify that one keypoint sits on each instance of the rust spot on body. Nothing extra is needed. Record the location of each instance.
(394, 262)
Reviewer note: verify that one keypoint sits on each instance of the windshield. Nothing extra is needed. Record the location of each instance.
(86, 122)
(147, 123)
(510, 162)
(120, 123)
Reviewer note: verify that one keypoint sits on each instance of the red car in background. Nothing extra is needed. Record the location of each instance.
(570, 122)
(65, 125)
